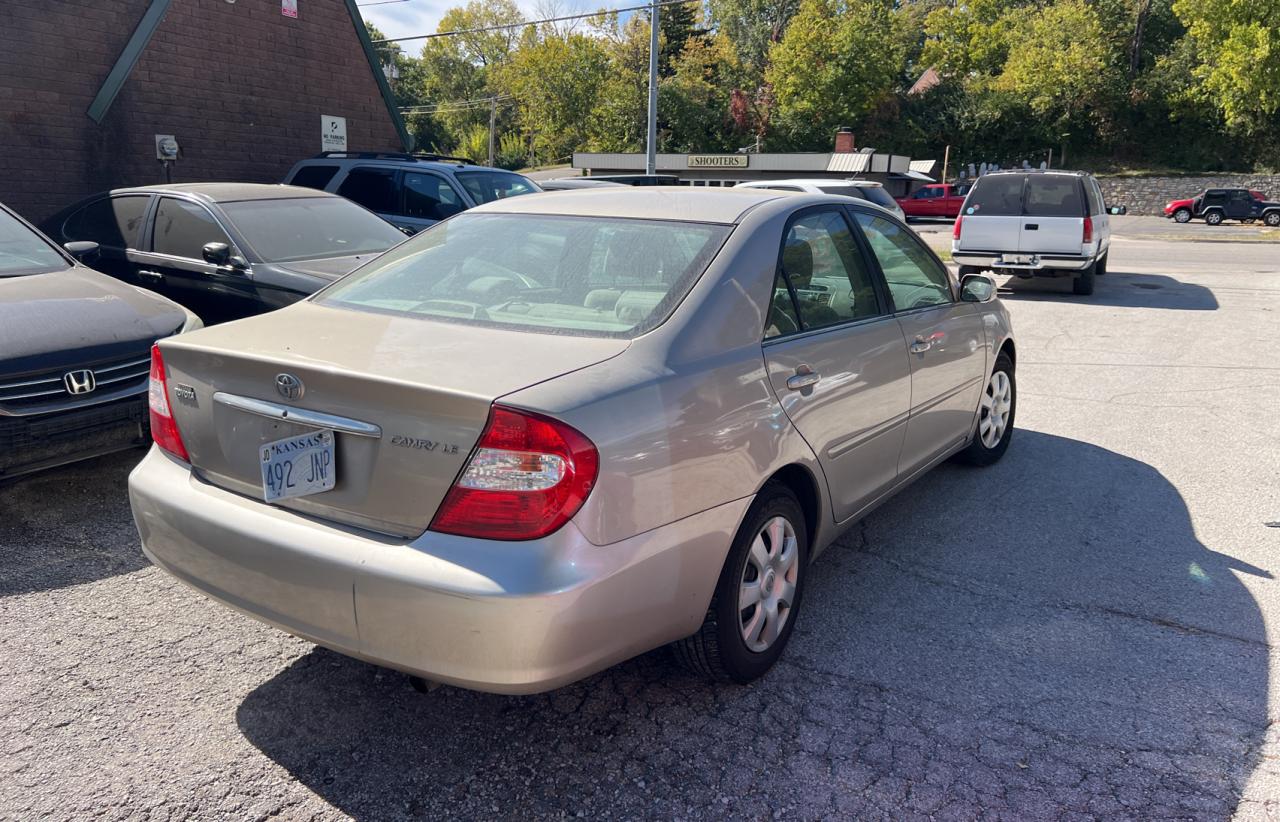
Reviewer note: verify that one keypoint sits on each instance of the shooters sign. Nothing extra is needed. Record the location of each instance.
(717, 161)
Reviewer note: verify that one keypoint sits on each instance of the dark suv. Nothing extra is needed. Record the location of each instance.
(410, 191)
(1217, 204)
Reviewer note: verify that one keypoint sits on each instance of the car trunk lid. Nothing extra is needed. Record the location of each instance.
(422, 390)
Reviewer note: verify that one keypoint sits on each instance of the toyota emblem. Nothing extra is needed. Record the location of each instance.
(289, 386)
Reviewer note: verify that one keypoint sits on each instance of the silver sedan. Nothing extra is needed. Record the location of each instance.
(555, 432)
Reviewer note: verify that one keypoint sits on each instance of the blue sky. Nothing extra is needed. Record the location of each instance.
(422, 16)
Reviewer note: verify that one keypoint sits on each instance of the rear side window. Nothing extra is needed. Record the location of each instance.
(826, 271)
(316, 177)
(112, 222)
(596, 276)
(877, 195)
(1094, 196)
(1051, 195)
(996, 196)
(373, 188)
(182, 229)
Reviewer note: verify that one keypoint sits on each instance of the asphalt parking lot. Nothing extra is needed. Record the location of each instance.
(1091, 628)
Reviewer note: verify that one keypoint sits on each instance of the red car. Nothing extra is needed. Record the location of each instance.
(1183, 210)
(937, 200)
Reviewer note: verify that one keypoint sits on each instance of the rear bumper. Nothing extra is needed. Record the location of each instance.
(34, 443)
(508, 617)
(1046, 265)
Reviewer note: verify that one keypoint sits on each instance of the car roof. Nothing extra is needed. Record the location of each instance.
(437, 162)
(706, 205)
(1061, 172)
(227, 192)
(812, 181)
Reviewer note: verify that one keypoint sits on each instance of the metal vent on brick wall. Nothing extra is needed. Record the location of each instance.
(34, 391)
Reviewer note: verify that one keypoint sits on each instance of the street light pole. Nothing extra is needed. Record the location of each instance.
(651, 145)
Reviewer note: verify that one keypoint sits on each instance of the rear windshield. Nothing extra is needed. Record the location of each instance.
(1045, 195)
(594, 276)
(487, 186)
(310, 228)
(22, 251)
(877, 195)
(997, 196)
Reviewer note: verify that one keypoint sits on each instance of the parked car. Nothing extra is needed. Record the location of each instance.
(638, 179)
(225, 250)
(514, 464)
(1035, 224)
(410, 191)
(1214, 205)
(868, 190)
(74, 353)
(935, 200)
(573, 183)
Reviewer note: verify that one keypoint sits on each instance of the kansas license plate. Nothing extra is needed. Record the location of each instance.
(298, 466)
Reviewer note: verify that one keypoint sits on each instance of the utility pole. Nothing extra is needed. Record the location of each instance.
(651, 145)
(493, 118)
(946, 160)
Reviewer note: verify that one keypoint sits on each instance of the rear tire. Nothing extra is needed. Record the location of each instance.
(1182, 215)
(1100, 267)
(1272, 218)
(994, 426)
(1213, 218)
(1082, 284)
(763, 579)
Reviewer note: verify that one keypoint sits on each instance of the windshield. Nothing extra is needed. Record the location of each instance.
(487, 186)
(595, 276)
(22, 251)
(309, 228)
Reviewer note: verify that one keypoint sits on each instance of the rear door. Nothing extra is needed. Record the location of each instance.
(1053, 214)
(944, 339)
(993, 214)
(426, 199)
(376, 189)
(1240, 204)
(836, 358)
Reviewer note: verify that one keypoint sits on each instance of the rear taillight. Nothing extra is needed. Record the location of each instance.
(528, 476)
(163, 429)
(1088, 230)
(955, 232)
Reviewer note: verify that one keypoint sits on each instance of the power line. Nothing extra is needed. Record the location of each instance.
(380, 3)
(457, 105)
(524, 23)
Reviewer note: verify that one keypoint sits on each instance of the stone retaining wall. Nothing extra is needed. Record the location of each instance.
(1148, 195)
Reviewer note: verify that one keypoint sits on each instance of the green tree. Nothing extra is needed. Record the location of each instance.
(838, 62)
(1238, 44)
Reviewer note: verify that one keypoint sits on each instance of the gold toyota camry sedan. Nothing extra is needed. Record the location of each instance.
(554, 432)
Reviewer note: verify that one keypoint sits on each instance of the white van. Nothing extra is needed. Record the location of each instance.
(1035, 224)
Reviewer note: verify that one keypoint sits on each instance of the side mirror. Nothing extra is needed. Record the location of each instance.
(85, 251)
(977, 288)
(1118, 210)
(219, 254)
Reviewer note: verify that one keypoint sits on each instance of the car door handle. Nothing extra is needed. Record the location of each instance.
(1033, 226)
(804, 377)
(154, 276)
(920, 345)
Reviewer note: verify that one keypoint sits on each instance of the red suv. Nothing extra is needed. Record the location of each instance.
(937, 200)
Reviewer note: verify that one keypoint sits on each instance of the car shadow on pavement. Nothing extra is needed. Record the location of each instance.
(1117, 288)
(68, 525)
(1046, 638)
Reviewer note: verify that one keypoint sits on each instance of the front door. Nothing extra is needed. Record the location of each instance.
(944, 338)
(175, 262)
(836, 358)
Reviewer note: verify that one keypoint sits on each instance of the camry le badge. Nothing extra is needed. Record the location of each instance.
(289, 386)
(79, 382)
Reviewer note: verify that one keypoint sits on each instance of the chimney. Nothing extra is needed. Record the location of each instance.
(844, 140)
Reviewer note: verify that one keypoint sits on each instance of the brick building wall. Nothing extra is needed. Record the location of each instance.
(241, 86)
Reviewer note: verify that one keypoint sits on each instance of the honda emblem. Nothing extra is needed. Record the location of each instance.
(79, 382)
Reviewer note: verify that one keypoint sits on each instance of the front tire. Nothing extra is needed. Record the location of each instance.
(758, 595)
(994, 427)
(1182, 215)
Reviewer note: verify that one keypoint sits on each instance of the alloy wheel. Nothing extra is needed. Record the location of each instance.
(768, 587)
(997, 402)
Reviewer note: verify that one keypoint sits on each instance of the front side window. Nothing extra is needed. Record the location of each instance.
(22, 251)
(826, 271)
(112, 222)
(915, 277)
(429, 197)
(594, 276)
(373, 188)
(487, 186)
(309, 228)
(183, 229)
